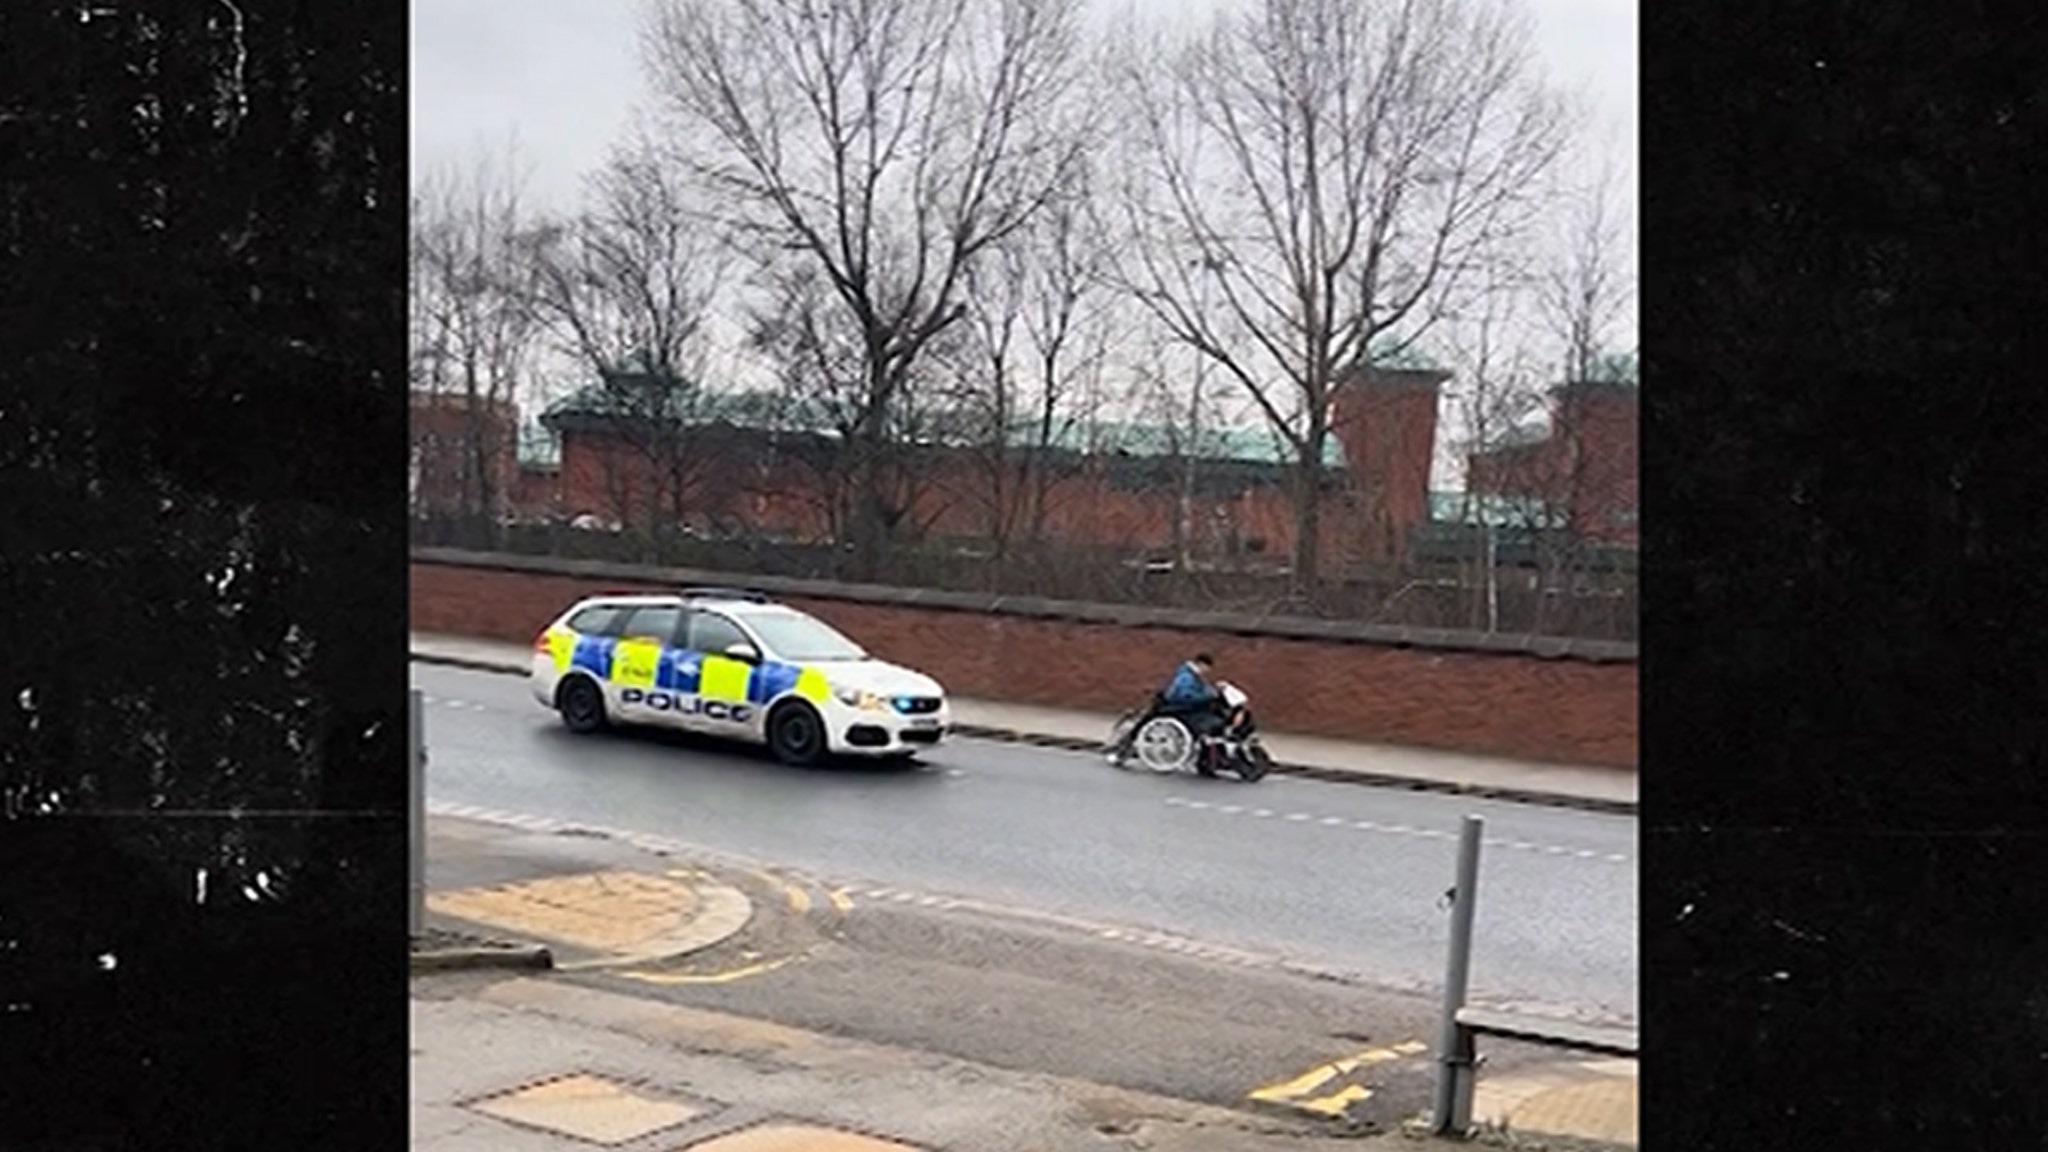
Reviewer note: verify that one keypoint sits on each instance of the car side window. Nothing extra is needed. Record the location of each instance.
(598, 620)
(710, 632)
(656, 622)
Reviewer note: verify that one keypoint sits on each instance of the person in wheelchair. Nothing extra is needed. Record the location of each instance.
(1191, 697)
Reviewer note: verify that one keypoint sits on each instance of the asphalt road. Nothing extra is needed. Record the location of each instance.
(1339, 878)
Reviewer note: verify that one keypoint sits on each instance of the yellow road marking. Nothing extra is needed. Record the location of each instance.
(725, 977)
(1291, 1092)
(1336, 1103)
(799, 900)
(1301, 1085)
(841, 901)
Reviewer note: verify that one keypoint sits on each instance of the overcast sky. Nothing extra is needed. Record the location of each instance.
(560, 76)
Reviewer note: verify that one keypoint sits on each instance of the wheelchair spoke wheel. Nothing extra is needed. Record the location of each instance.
(1165, 744)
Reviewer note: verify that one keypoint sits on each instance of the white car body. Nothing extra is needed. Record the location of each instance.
(867, 707)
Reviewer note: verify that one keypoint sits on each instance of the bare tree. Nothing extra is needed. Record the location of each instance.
(1583, 294)
(883, 145)
(628, 289)
(1336, 170)
(1493, 406)
(472, 334)
(1586, 292)
(1036, 339)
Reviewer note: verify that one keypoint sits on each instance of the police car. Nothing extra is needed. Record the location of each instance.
(731, 663)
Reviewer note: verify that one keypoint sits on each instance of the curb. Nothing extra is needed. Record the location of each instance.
(1306, 771)
(726, 911)
(516, 957)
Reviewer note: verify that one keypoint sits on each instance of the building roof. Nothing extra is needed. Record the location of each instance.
(636, 397)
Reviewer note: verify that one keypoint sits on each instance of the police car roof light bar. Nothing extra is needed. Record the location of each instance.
(725, 594)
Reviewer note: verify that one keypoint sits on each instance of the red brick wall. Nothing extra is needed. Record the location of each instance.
(957, 498)
(1560, 710)
(1587, 465)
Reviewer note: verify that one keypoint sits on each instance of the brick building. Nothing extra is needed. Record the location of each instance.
(631, 452)
(1385, 419)
(1583, 471)
(463, 455)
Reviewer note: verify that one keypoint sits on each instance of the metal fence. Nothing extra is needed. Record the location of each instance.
(1580, 603)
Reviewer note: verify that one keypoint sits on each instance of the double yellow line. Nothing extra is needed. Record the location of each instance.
(1296, 1093)
(799, 899)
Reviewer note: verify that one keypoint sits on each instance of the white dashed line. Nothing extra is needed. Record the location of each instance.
(1394, 829)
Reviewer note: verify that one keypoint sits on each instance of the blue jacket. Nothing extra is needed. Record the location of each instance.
(1187, 687)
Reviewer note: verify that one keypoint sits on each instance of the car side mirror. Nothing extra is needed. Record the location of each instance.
(744, 653)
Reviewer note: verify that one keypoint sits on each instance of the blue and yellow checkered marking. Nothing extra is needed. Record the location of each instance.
(770, 680)
(593, 654)
(677, 671)
(634, 662)
(723, 678)
(646, 664)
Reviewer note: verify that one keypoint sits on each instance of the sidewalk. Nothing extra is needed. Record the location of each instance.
(1598, 789)
(534, 1061)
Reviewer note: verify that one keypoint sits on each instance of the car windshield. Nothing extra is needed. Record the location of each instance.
(802, 639)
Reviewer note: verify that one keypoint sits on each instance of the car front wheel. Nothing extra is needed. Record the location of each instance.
(796, 735)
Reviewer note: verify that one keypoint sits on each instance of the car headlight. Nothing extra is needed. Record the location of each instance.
(855, 698)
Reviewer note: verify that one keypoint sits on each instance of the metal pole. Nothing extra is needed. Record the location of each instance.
(1453, 1113)
(416, 817)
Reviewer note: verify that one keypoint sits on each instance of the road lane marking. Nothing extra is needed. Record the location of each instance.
(725, 977)
(1392, 829)
(1289, 1090)
(841, 902)
(1337, 1103)
(1295, 1093)
(841, 897)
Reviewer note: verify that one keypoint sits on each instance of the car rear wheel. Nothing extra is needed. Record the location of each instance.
(581, 705)
(796, 735)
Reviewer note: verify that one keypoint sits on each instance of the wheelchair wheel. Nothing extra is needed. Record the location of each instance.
(1118, 733)
(1165, 744)
(1253, 765)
